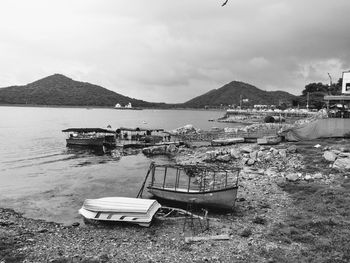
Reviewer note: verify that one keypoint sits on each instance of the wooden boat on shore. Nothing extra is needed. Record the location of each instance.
(207, 187)
(120, 209)
(90, 137)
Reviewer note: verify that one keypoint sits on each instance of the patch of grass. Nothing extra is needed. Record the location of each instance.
(278, 255)
(319, 220)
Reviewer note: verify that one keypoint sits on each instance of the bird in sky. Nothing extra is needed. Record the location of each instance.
(224, 3)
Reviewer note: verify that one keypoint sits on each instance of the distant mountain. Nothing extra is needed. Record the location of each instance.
(58, 89)
(232, 93)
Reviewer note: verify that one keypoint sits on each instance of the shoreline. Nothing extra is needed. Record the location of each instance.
(259, 231)
(103, 107)
(272, 222)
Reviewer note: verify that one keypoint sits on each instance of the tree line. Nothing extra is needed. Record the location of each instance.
(314, 93)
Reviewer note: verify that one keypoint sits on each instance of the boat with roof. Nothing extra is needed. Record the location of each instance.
(90, 137)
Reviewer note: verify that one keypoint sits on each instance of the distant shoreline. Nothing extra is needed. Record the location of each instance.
(103, 107)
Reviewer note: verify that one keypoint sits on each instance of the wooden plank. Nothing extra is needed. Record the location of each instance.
(207, 238)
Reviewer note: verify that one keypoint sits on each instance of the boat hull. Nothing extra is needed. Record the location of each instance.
(120, 209)
(218, 199)
(86, 141)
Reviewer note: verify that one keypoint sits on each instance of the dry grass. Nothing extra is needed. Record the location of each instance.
(319, 222)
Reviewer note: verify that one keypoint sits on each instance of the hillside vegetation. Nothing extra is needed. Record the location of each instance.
(61, 90)
(232, 93)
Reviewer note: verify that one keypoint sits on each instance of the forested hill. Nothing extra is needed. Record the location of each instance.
(58, 89)
(232, 92)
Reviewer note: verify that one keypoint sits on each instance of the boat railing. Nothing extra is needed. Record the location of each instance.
(193, 178)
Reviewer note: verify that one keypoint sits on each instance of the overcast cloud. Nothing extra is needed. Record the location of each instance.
(172, 51)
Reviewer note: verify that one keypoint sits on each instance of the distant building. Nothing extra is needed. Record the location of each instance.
(263, 106)
(127, 106)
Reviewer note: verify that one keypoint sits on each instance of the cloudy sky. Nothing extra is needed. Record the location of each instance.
(174, 50)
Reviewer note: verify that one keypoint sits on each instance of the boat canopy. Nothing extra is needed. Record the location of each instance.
(86, 130)
(137, 129)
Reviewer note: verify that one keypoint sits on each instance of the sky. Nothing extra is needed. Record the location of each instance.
(172, 51)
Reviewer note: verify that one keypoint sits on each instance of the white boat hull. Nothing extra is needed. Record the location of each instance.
(120, 209)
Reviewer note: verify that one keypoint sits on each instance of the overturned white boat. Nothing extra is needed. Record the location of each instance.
(121, 209)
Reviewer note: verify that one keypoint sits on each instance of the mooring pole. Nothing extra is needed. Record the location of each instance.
(151, 167)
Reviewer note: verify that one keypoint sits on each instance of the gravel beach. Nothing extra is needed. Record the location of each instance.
(275, 220)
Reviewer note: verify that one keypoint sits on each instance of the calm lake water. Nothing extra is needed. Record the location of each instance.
(42, 178)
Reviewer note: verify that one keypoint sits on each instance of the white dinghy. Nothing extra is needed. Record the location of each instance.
(123, 209)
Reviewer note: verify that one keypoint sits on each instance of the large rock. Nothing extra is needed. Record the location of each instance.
(155, 150)
(224, 158)
(250, 161)
(253, 154)
(260, 154)
(171, 148)
(244, 160)
(185, 129)
(209, 156)
(318, 176)
(292, 149)
(246, 149)
(308, 177)
(234, 154)
(270, 173)
(275, 152)
(292, 177)
(283, 153)
(342, 164)
(329, 156)
(268, 158)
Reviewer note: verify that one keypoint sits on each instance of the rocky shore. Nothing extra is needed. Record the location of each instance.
(292, 206)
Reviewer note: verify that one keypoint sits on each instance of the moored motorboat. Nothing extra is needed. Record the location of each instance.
(91, 137)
